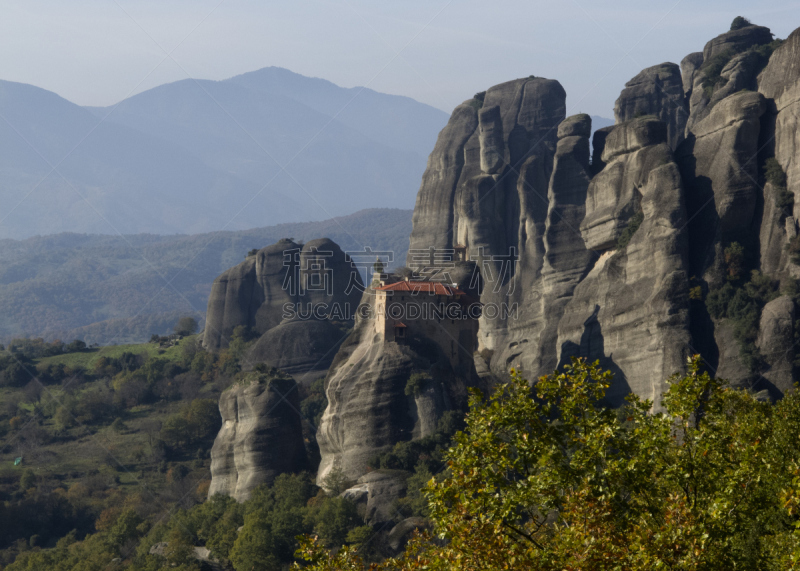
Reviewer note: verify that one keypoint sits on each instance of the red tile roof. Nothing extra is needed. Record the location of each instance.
(436, 288)
(400, 324)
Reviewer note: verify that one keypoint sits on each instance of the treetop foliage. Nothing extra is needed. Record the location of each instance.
(545, 478)
(740, 22)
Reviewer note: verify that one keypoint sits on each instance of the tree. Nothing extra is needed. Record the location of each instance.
(404, 272)
(27, 480)
(734, 260)
(124, 530)
(75, 346)
(378, 267)
(15, 375)
(546, 478)
(186, 326)
(196, 422)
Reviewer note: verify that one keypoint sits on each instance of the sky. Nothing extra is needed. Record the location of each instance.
(440, 52)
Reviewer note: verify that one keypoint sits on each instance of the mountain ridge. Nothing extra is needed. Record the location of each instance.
(172, 160)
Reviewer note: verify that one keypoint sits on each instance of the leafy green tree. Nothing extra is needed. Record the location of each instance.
(197, 422)
(124, 530)
(186, 326)
(734, 261)
(27, 480)
(334, 519)
(15, 375)
(545, 478)
(255, 546)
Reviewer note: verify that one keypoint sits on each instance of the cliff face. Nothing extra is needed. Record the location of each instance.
(288, 294)
(298, 299)
(370, 407)
(261, 435)
(617, 257)
(255, 293)
(677, 236)
(631, 311)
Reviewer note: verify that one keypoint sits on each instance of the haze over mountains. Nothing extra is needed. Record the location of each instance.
(120, 289)
(198, 156)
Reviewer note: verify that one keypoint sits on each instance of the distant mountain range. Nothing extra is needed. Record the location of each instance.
(197, 156)
(120, 289)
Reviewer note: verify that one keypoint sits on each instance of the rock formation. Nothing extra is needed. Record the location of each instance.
(632, 309)
(370, 408)
(292, 296)
(728, 63)
(261, 435)
(677, 236)
(302, 348)
(656, 91)
(257, 292)
(616, 256)
(719, 166)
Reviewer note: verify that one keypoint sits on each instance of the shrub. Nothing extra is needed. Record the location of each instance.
(197, 422)
(743, 307)
(75, 347)
(633, 225)
(314, 402)
(417, 383)
(773, 171)
(793, 247)
(717, 301)
(775, 175)
(118, 425)
(712, 70)
(784, 200)
(740, 22)
(477, 100)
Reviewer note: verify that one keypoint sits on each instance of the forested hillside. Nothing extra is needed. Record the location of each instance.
(121, 289)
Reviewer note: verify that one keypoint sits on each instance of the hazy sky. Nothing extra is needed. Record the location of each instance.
(97, 52)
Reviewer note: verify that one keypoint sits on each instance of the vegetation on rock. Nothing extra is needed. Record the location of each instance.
(742, 305)
(740, 22)
(477, 100)
(633, 225)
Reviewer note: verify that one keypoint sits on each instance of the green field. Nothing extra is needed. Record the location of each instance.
(88, 357)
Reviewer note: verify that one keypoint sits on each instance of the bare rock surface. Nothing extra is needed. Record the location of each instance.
(780, 84)
(632, 310)
(776, 343)
(303, 348)
(683, 167)
(384, 488)
(400, 534)
(614, 195)
(256, 293)
(718, 167)
(733, 51)
(689, 66)
(261, 435)
(737, 41)
(656, 91)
